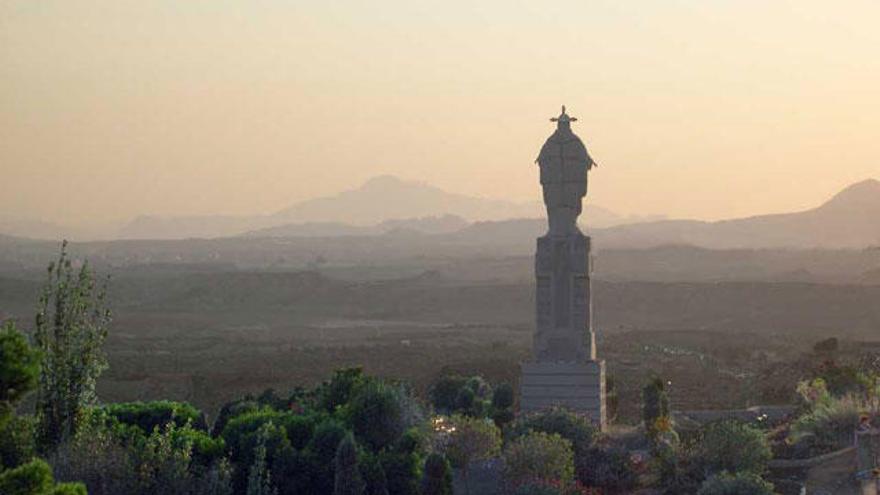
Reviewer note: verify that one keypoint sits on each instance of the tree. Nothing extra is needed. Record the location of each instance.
(71, 326)
(347, 479)
(608, 469)
(376, 415)
(259, 477)
(736, 484)
(576, 428)
(538, 456)
(655, 405)
(471, 440)
(19, 369)
(35, 478)
(502, 405)
(437, 479)
(735, 447)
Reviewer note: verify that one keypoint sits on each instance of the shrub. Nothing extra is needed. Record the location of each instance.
(151, 415)
(538, 456)
(735, 447)
(239, 434)
(35, 478)
(444, 392)
(17, 441)
(842, 380)
(455, 394)
(471, 440)
(828, 426)
(537, 488)
(608, 469)
(300, 428)
(437, 478)
(374, 474)
(344, 384)
(348, 479)
(231, 410)
(736, 484)
(576, 428)
(502, 397)
(655, 404)
(97, 458)
(376, 415)
(19, 369)
(402, 471)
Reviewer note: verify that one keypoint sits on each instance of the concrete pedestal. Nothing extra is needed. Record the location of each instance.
(576, 386)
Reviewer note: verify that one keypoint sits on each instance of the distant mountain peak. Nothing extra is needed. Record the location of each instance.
(864, 194)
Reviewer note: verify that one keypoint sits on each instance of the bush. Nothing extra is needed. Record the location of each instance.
(444, 392)
(348, 479)
(377, 416)
(97, 458)
(655, 404)
(537, 488)
(471, 440)
(231, 410)
(151, 415)
(239, 434)
(576, 428)
(35, 478)
(437, 479)
(339, 391)
(17, 441)
(502, 397)
(828, 426)
(538, 456)
(455, 394)
(843, 380)
(402, 471)
(608, 469)
(736, 484)
(734, 447)
(19, 369)
(374, 474)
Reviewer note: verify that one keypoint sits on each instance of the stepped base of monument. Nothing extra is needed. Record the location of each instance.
(578, 386)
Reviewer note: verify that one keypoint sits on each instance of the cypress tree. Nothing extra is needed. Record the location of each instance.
(437, 479)
(347, 480)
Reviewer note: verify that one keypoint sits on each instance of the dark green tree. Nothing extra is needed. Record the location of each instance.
(71, 326)
(437, 477)
(736, 484)
(35, 478)
(259, 477)
(377, 416)
(735, 447)
(19, 369)
(655, 404)
(347, 476)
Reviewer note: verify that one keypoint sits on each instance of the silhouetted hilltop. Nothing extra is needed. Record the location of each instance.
(387, 197)
(850, 219)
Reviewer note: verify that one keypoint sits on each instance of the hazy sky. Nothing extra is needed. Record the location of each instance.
(702, 108)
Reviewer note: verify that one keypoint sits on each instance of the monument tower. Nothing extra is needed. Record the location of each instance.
(564, 370)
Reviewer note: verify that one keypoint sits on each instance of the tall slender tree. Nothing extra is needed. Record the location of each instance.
(71, 327)
(348, 480)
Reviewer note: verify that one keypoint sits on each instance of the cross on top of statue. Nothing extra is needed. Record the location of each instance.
(563, 117)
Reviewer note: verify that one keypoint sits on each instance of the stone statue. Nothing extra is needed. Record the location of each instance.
(564, 164)
(564, 369)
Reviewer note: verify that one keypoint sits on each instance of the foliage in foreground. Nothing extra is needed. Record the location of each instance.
(71, 326)
(736, 484)
(538, 456)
